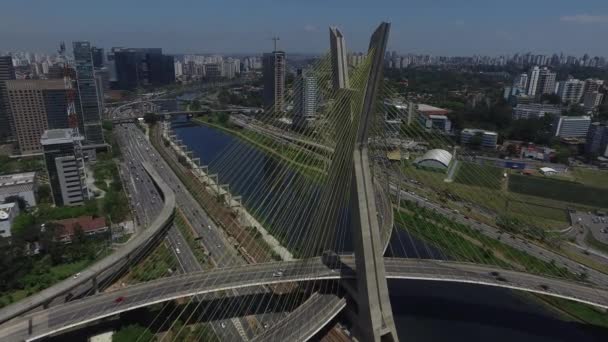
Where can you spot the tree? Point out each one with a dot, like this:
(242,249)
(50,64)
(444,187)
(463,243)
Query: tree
(223,118)
(21,203)
(195,105)
(150,118)
(133,332)
(107,125)
(551,99)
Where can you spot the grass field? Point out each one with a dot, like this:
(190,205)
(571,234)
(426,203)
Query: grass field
(479,175)
(544,213)
(597,178)
(560,190)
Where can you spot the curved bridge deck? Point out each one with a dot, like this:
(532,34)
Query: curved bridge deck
(72,314)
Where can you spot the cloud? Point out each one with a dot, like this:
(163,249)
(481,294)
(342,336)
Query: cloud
(585,18)
(310,28)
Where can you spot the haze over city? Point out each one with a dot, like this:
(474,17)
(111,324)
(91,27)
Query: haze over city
(432,27)
(332,171)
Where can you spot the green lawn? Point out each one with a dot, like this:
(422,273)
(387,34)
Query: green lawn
(558,189)
(596,178)
(479,175)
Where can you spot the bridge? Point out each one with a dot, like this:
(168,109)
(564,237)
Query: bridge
(72,314)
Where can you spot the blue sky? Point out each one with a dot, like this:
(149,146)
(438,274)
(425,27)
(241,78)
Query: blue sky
(452,27)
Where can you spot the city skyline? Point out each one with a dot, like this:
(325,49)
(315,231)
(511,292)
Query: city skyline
(438,28)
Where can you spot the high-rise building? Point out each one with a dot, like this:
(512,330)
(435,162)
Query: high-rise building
(142,67)
(7,72)
(65,166)
(571,126)
(274,68)
(592,100)
(546,82)
(571,90)
(305,98)
(35,106)
(87,101)
(521,81)
(592,85)
(533,81)
(597,140)
(98,57)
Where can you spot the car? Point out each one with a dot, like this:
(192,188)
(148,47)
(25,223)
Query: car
(544,287)
(119,299)
(501,278)
(495,274)
(177,250)
(76,275)
(223,325)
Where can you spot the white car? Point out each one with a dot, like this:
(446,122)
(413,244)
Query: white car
(177,250)
(76,275)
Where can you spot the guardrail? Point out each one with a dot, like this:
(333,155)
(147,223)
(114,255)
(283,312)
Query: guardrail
(124,254)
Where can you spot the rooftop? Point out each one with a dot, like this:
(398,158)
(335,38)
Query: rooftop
(59,136)
(86,223)
(17,179)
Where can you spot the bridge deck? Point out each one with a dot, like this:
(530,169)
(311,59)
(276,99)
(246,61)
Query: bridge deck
(92,308)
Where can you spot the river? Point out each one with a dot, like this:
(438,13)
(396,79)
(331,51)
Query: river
(424,311)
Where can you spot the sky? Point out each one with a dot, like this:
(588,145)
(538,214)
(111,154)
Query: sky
(438,27)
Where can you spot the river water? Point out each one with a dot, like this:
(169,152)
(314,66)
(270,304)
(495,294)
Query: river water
(424,311)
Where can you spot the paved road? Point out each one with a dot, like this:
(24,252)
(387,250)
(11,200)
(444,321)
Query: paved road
(78,312)
(213,238)
(510,240)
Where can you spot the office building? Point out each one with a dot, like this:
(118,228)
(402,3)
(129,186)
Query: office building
(19,184)
(35,106)
(142,67)
(87,101)
(305,98)
(571,90)
(571,126)
(8,212)
(487,139)
(597,140)
(65,166)
(7,72)
(273,69)
(535,110)
(98,57)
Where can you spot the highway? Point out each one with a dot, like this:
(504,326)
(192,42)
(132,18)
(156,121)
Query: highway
(79,312)
(138,150)
(508,239)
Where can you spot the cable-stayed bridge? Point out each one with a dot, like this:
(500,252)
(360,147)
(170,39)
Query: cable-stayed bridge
(333,193)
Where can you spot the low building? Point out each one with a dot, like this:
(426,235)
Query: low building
(19,184)
(488,139)
(571,126)
(547,171)
(535,110)
(435,159)
(90,226)
(8,212)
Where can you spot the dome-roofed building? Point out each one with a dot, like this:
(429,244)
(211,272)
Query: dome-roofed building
(436,159)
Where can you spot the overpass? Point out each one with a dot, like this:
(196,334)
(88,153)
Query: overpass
(119,259)
(76,313)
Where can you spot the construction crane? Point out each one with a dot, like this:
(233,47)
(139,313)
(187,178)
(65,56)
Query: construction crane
(275,39)
(70,91)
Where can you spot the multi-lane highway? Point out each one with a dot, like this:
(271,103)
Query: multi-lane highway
(92,308)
